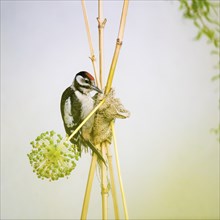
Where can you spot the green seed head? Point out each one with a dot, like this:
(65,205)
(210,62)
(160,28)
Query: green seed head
(52,156)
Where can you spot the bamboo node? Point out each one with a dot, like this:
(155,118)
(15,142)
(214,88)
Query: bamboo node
(92,58)
(104,190)
(119,42)
(101,24)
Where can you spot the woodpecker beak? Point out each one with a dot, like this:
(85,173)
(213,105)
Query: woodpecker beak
(96,89)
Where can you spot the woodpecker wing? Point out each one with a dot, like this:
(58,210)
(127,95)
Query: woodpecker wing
(69,113)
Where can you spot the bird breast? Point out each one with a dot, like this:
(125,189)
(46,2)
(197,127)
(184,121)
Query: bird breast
(87,105)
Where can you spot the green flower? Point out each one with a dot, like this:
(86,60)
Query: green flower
(52,156)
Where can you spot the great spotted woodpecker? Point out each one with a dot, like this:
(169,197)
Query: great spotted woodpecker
(76,104)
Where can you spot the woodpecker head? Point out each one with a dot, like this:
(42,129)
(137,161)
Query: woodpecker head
(85,83)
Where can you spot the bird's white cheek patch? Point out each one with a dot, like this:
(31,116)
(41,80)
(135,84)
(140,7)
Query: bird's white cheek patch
(81,81)
(68,118)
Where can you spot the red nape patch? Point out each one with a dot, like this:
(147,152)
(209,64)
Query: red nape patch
(90,76)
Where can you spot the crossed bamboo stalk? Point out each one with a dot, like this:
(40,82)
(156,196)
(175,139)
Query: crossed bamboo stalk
(104,147)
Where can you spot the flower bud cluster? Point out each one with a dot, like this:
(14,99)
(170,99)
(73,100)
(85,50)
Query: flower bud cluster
(52,156)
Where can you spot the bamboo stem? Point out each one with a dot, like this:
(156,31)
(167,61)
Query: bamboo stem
(100,17)
(119,172)
(113,66)
(117,47)
(92,54)
(101,25)
(88,187)
(104,187)
(123,20)
(112,179)
(86,119)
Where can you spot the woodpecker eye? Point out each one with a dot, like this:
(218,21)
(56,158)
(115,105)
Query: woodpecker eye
(86,81)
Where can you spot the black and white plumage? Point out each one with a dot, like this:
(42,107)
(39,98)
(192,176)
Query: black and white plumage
(76,104)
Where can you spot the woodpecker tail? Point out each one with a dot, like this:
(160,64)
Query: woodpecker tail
(93,148)
(79,141)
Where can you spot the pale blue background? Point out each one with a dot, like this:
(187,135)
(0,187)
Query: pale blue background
(169,159)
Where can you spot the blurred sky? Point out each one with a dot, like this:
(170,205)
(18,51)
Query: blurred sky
(169,160)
